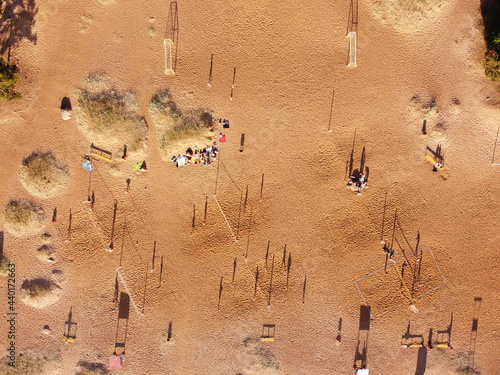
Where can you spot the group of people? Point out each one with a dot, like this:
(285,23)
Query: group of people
(205,156)
(359,181)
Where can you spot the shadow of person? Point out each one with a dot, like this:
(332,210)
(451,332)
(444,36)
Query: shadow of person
(66,103)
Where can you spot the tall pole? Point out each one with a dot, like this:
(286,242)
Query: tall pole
(331,111)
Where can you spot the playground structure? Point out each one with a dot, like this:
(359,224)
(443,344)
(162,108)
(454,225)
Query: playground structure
(170,42)
(352,49)
(401,287)
(352,28)
(436,157)
(409,340)
(167,44)
(70,327)
(268,332)
(99,153)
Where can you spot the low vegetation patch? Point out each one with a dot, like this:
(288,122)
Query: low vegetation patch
(43,175)
(87,368)
(23,217)
(405,15)
(39,292)
(176,129)
(31,362)
(9,78)
(490,9)
(109,117)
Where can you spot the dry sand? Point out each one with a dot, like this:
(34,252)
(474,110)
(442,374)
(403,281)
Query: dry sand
(289,56)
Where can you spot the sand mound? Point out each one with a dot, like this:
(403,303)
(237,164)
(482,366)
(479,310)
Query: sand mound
(405,15)
(45,252)
(177,130)
(260,360)
(109,117)
(23,218)
(43,175)
(39,293)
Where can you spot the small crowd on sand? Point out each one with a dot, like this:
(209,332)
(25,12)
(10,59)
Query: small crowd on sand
(359,182)
(205,156)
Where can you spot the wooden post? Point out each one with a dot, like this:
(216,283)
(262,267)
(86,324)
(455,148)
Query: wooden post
(289,265)
(161,270)
(246,200)
(270,287)
(111,245)
(234,271)
(194,218)
(92,200)
(220,293)
(304,290)
(331,111)
(232,86)
(249,231)
(283,261)
(267,253)
(242,142)
(69,226)
(210,73)
(256,282)
(153,259)
(205,214)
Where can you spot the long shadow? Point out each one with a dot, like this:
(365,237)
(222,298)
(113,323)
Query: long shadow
(411,340)
(1,245)
(172,31)
(352,20)
(421,361)
(473,333)
(360,357)
(66,103)
(16,24)
(70,326)
(169,331)
(443,338)
(122,323)
(363,161)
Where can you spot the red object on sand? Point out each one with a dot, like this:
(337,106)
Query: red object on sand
(115,363)
(222,138)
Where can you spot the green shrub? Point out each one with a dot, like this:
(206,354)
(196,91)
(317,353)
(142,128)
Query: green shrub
(9,77)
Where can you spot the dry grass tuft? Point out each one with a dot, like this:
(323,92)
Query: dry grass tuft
(3,266)
(176,129)
(405,15)
(109,117)
(87,368)
(43,175)
(31,362)
(23,218)
(39,293)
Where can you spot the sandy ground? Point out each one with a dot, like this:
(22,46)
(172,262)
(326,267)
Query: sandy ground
(289,57)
